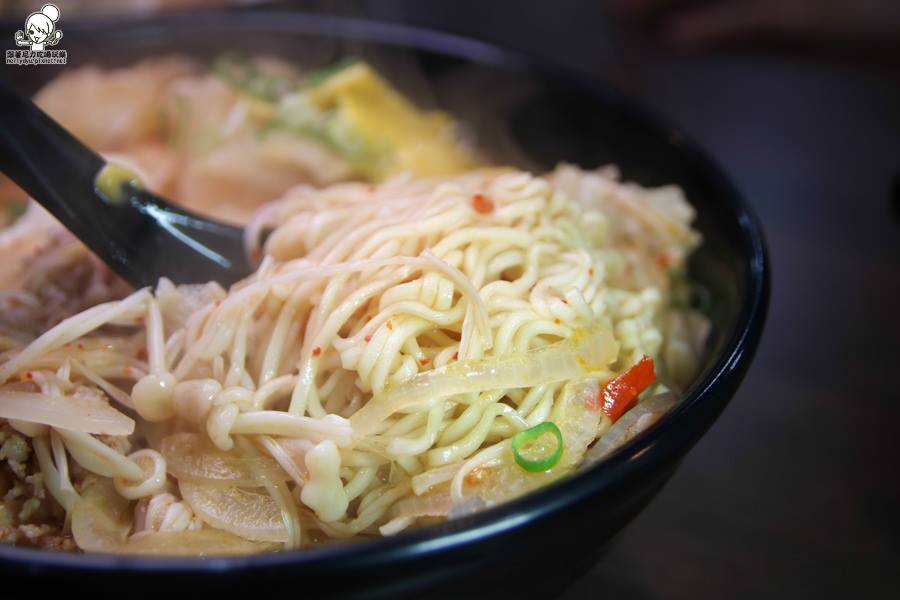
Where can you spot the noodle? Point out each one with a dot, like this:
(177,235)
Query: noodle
(394,340)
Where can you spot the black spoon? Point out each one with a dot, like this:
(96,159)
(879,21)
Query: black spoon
(140,235)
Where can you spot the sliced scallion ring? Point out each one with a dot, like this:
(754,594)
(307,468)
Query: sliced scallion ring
(531,435)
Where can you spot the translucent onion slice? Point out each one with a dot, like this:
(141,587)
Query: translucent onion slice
(102,521)
(587,351)
(193,457)
(499,478)
(83,413)
(249,513)
(435,504)
(467,507)
(631,424)
(406,511)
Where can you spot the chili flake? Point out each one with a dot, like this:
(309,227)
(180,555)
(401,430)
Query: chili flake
(482,204)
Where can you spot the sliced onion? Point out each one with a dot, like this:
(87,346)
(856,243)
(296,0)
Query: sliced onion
(249,513)
(193,457)
(405,512)
(573,358)
(635,421)
(467,507)
(435,504)
(102,521)
(197,542)
(83,412)
(503,478)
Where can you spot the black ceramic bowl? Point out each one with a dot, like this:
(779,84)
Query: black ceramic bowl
(533,114)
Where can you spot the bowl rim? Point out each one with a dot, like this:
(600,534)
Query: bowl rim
(677,433)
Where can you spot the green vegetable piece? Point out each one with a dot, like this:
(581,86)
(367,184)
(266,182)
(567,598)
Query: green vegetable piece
(317,76)
(686,293)
(522,440)
(242,74)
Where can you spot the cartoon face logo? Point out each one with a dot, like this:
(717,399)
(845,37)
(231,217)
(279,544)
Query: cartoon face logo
(40,29)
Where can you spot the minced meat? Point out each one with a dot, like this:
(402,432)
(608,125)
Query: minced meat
(29,515)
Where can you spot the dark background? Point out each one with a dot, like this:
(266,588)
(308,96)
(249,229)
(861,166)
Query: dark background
(795,491)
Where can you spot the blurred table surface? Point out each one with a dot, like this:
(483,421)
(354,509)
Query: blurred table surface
(794,493)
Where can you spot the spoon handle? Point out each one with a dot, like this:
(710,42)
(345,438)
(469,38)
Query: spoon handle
(44,159)
(140,235)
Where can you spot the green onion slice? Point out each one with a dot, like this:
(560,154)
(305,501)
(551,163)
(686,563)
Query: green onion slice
(529,437)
